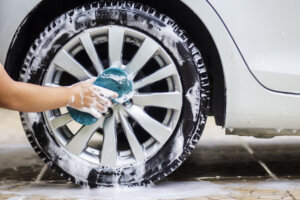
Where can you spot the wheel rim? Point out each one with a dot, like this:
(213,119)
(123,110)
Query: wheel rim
(135,131)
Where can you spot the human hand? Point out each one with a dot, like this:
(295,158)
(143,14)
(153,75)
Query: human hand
(87,97)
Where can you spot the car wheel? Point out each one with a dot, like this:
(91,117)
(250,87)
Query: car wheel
(142,140)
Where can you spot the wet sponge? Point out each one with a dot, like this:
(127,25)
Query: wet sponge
(114,79)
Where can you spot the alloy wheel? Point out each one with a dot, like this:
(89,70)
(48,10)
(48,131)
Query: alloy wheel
(134,131)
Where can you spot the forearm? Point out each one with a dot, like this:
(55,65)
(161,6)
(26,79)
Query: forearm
(33,98)
(27,97)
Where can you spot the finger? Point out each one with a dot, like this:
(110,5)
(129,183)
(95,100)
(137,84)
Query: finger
(96,97)
(107,93)
(95,113)
(104,101)
(87,101)
(91,80)
(94,101)
(95,104)
(101,108)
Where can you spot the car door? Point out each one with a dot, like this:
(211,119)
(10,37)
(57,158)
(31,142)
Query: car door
(267,34)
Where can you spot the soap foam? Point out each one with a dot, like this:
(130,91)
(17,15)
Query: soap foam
(193,96)
(164,190)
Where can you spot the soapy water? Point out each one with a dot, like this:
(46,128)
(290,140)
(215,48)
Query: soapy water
(16,198)
(119,79)
(164,190)
(193,95)
(124,98)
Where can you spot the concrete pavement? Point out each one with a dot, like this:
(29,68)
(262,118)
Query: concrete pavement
(221,167)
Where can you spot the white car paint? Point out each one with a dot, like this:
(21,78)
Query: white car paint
(12,13)
(268,35)
(248,103)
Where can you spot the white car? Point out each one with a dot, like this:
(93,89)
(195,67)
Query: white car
(237,61)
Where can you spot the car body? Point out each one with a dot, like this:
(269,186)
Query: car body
(251,49)
(258,51)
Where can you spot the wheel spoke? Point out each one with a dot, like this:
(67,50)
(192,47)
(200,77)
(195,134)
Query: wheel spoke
(61,120)
(82,137)
(89,47)
(157,130)
(52,85)
(109,148)
(127,116)
(171,100)
(135,146)
(156,76)
(66,62)
(115,42)
(146,51)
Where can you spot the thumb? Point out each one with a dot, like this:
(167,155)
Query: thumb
(91,80)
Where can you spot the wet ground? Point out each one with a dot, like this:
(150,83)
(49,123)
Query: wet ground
(221,167)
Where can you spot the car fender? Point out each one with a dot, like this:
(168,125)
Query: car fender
(248,103)
(12,14)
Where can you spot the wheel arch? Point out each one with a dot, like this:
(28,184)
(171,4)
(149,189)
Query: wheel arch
(47,10)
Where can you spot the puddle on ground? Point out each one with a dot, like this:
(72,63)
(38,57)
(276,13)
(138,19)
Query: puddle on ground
(227,167)
(163,190)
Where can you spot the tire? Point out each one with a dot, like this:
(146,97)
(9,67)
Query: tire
(172,41)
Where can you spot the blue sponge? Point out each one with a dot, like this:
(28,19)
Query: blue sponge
(114,79)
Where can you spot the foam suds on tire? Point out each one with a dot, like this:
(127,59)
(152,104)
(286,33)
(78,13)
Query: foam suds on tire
(74,167)
(193,96)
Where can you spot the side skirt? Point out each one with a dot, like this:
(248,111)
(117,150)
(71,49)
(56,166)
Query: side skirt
(262,133)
